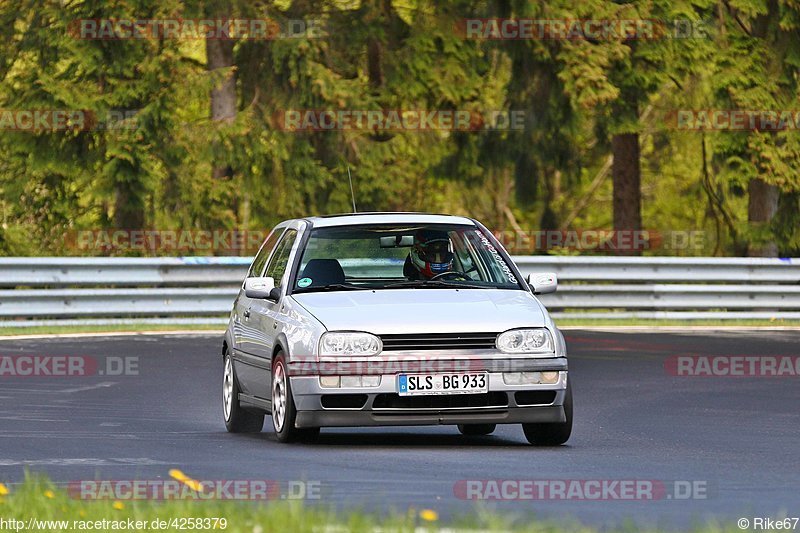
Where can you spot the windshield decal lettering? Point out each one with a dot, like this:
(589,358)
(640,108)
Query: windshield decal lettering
(500,261)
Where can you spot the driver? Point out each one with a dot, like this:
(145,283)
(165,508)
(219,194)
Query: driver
(431,255)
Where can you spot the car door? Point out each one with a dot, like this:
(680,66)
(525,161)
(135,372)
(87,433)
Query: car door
(265,316)
(245,336)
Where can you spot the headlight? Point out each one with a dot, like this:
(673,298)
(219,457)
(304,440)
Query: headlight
(349,343)
(536,340)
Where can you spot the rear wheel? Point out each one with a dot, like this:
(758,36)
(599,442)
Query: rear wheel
(477,429)
(284,412)
(552,434)
(237,419)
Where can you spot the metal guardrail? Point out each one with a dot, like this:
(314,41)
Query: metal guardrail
(688,288)
(175,289)
(665,269)
(123,271)
(201,301)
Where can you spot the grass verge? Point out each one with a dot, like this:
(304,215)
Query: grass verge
(38,504)
(625,322)
(114,328)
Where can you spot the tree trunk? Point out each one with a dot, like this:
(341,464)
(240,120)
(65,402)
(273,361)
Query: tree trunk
(374,63)
(763,197)
(761,209)
(128,208)
(526,174)
(219,54)
(626,176)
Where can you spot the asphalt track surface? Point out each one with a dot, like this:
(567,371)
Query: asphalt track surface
(735,438)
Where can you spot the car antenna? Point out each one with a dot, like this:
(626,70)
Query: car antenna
(352,194)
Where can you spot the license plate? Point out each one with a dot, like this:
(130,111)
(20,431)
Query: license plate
(458,383)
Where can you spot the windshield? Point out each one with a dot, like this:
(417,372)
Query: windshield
(391,256)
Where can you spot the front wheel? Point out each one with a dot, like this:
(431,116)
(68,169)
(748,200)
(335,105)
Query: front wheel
(552,434)
(284,412)
(237,419)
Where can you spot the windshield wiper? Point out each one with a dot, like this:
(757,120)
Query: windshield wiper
(427,283)
(332,287)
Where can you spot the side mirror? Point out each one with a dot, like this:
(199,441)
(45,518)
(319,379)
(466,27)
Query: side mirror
(543,282)
(261,288)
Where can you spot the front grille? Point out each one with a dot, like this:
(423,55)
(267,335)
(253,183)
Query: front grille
(438,341)
(445,401)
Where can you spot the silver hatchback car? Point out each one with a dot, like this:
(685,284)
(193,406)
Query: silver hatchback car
(387,319)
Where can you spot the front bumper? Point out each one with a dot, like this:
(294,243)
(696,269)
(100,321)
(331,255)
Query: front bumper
(357,418)
(380,406)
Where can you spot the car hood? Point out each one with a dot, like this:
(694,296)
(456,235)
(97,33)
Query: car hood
(424,310)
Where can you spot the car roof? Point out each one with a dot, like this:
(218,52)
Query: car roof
(350,219)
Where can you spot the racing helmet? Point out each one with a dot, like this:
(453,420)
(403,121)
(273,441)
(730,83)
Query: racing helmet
(432,252)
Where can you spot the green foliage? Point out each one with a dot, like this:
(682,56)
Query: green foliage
(152,166)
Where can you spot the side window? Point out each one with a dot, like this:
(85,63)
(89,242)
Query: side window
(263,254)
(280,259)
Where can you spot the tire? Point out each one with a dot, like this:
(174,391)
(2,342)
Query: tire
(552,434)
(237,419)
(284,412)
(477,429)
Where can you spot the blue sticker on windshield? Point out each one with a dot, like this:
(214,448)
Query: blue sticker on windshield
(304,282)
